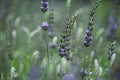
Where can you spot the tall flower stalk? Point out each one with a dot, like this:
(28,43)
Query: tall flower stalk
(51,20)
(68,5)
(9,42)
(51,32)
(88,34)
(45,26)
(111,58)
(64,47)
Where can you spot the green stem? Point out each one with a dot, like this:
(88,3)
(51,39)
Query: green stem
(47,54)
(44,17)
(84,65)
(47,50)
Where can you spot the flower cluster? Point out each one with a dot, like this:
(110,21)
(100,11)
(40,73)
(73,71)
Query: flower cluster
(88,35)
(44,5)
(51,20)
(64,50)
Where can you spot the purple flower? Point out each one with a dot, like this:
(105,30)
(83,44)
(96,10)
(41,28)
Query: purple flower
(34,72)
(51,32)
(69,77)
(112,28)
(52,45)
(44,6)
(62,50)
(88,36)
(64,47)
(62,53)
(117,76)
(45,25)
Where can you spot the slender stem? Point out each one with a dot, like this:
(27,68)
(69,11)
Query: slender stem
(47,54)
(89,62)
(47,49)
(84,65)
(44,17)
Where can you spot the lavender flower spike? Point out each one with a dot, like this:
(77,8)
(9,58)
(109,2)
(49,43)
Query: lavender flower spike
(88,36)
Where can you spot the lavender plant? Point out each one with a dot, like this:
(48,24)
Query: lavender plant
(51,32)
(44,8)
(64,50)
(112,60)
(45,25)
(88,34)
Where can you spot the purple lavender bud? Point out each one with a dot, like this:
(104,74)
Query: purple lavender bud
(45,25)
(62,50)
(86,44)
(43,9)
(52,45)
(62,53)
(44,6)
(51,33)
(88,31)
